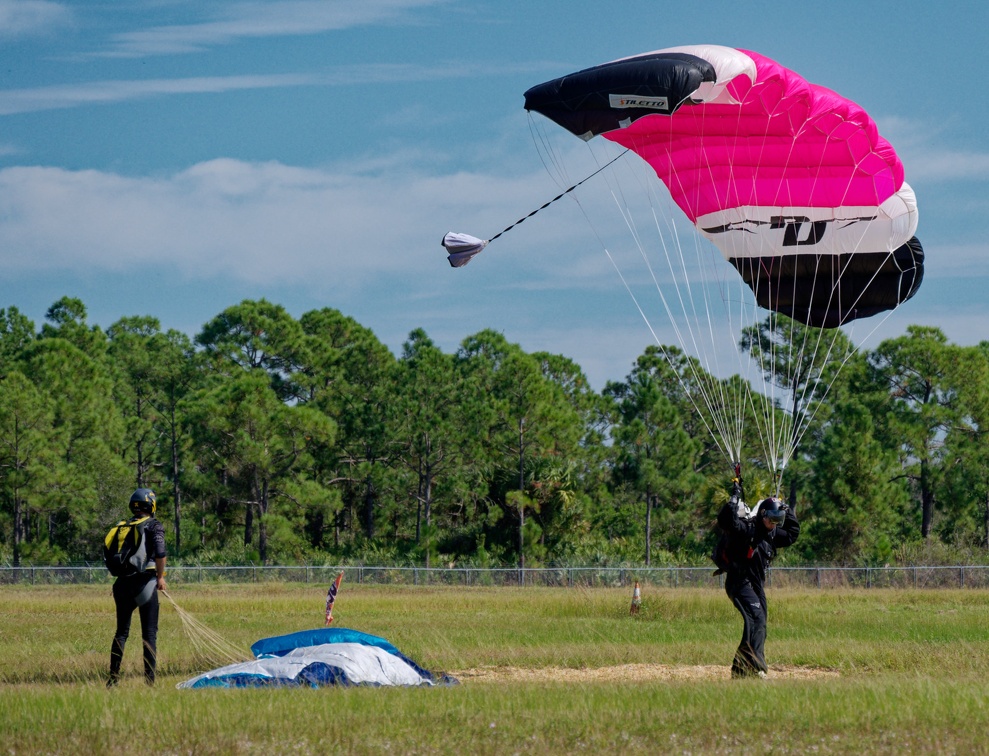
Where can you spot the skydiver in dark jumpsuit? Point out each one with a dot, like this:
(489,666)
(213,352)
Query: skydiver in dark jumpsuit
(140,591)
(752,544)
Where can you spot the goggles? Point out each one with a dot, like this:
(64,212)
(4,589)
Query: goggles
(775,516)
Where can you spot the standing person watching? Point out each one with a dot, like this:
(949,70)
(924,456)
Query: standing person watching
(139,590)
(752,544)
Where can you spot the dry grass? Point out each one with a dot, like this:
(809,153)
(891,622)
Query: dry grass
(628,673)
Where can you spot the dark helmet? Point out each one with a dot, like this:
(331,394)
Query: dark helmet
(773,510)
(143,500)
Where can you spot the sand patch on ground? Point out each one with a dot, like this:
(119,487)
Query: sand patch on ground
(630,673)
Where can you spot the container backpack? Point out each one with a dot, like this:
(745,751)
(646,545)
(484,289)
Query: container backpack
(723,557)
(720,555)
(124,549)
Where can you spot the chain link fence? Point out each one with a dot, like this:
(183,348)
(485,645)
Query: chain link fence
(966,576)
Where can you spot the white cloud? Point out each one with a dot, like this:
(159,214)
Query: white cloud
(254,222)
(949,165)
(920,145)
(26,18)
(261,19)
(958,261)
(101,92)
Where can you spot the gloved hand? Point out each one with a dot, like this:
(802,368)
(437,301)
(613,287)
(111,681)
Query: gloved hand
(736,486)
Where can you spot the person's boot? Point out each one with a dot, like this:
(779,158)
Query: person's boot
(116,659)
(150,663)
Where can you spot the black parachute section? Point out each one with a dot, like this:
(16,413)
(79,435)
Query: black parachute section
(826,291)
(609,96)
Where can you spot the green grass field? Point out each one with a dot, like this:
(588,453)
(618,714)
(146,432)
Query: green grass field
(541,670)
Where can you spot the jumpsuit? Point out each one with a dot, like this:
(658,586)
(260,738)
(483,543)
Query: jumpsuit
(752,548)
(126,590)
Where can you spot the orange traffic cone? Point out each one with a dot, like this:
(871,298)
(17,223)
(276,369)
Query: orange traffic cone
(636,599)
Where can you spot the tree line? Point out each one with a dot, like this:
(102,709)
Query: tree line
(277,440)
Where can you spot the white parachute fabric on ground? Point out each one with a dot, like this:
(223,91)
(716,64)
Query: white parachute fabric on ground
(314,658)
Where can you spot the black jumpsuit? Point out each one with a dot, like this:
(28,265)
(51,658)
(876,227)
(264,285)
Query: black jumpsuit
(752,548)
(126,589)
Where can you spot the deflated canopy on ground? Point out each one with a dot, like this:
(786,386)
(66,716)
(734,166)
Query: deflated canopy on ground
(314,658)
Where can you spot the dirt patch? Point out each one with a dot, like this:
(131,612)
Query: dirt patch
(630,673)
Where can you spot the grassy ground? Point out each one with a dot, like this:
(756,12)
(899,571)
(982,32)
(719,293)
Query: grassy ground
(542,671)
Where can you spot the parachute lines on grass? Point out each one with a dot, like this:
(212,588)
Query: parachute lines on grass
(209,647)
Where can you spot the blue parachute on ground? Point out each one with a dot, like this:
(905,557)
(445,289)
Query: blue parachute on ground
(314,658)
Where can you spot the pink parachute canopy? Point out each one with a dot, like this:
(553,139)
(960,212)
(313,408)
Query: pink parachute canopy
(784,142)
(790,180)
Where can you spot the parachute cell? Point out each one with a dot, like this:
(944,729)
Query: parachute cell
(791,181)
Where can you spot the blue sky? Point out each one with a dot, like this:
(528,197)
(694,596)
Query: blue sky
(173,158)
